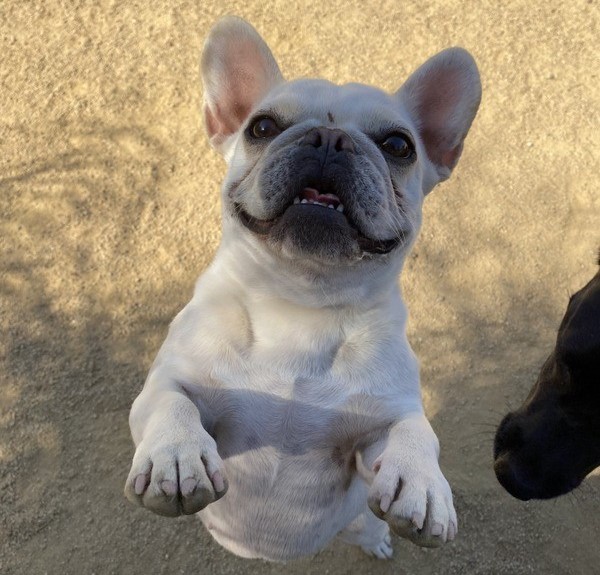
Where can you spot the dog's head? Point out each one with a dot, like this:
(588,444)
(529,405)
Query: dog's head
(548,446)
(326,174)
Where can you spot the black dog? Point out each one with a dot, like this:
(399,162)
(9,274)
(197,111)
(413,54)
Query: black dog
(548,446)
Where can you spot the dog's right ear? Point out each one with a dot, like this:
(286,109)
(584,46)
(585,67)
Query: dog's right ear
(238,70)
(442,97)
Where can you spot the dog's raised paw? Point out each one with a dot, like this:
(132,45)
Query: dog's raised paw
(175,479)
(416,503)
(381,550)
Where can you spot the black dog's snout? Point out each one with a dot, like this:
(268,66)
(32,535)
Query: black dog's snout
(509,476)
(507,442)
(329,139)
(509,435)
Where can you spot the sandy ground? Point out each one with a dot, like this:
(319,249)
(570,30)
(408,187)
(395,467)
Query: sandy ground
(109,210)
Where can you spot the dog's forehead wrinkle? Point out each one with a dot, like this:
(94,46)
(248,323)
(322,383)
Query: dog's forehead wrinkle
(364,106)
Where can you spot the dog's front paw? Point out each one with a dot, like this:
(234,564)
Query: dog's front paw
(382,549)
(415,501)
(176,478)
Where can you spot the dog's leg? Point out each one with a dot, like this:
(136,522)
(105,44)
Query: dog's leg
(371,534)
(409,490)
(176,468)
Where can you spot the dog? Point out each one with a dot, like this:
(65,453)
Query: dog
(284,405)
(547,447)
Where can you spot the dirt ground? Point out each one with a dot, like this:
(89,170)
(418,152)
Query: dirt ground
(109,209)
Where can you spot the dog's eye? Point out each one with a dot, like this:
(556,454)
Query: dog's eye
(398,145)
(264,127)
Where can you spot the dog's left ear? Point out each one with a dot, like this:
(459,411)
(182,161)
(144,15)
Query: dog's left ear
(238,70)
(442,97)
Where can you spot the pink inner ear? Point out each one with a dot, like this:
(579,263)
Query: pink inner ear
(244,80)
(224,124)
(238,70)
(440,96)
(246,86)
(213,127)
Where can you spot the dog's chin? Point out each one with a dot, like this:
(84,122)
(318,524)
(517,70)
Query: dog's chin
(316,232)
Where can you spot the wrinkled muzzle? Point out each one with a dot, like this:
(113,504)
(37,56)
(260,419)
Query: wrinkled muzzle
(320,196)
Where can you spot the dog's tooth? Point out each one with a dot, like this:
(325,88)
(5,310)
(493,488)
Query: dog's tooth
(304,201)
(330,206)
(340,208)
(296,200)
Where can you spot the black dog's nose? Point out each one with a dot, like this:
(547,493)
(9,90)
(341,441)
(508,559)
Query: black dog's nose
(509,435)
(509,477)
(508,440)
(329,139)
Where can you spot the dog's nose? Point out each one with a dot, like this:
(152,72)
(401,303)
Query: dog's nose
(509,435)
(512,478)
(329,139)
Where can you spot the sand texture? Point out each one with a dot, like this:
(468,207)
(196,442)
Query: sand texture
(109,209)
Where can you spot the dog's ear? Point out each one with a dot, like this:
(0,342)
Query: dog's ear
(238,70)
(442,97)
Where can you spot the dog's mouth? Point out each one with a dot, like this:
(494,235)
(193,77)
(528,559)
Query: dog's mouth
(305,204)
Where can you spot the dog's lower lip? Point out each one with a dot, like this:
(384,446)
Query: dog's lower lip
(377,246)
(260,227)
(368,245)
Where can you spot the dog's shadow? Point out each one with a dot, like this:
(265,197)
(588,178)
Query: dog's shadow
(243,420)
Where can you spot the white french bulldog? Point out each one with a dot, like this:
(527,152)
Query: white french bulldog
(285,405)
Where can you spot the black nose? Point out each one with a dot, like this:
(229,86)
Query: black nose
(511,479)
(509,438)
(329,139)
(509,435)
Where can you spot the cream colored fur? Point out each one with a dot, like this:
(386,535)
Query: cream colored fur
(285,404)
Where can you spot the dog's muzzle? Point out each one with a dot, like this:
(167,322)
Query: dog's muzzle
(319,215)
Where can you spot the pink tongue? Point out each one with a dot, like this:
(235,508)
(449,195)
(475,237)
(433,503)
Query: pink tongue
(312,194)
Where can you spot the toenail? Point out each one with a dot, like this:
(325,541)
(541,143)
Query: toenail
(385,503)
(188,486)
(140,483)
(418,520)
(217,481)
(169,487)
